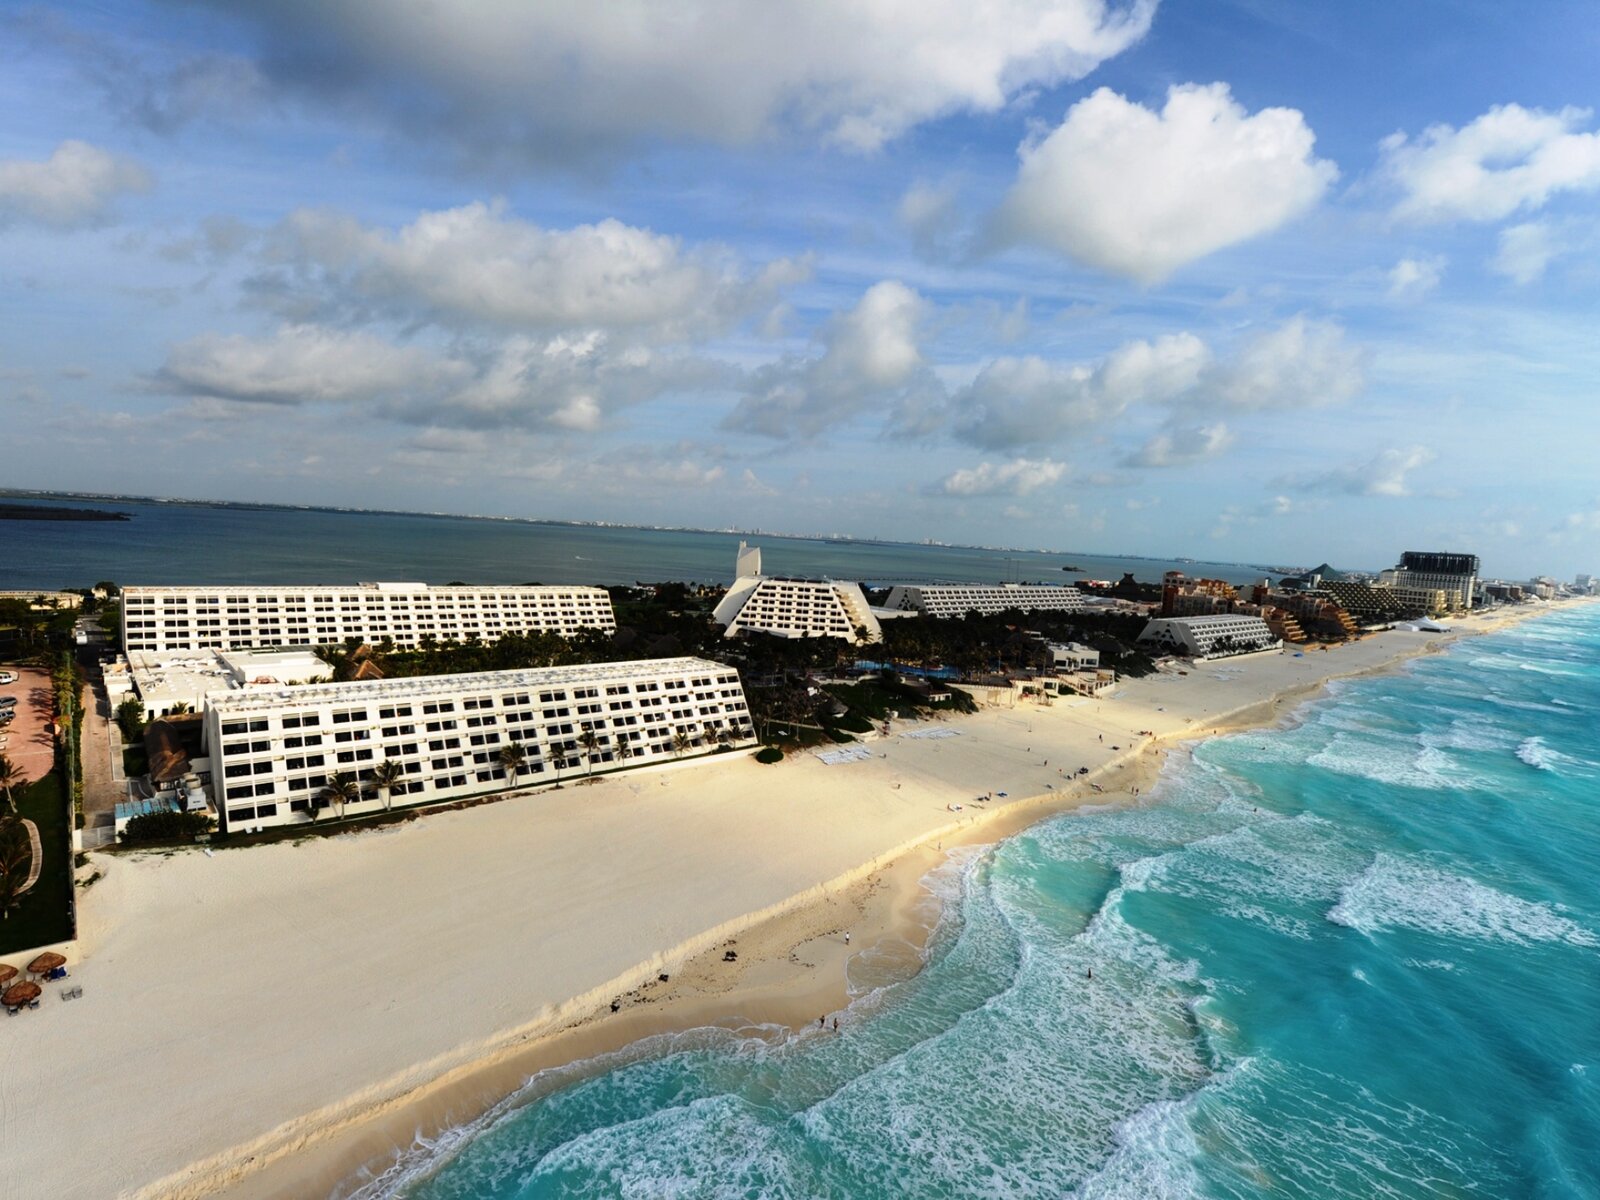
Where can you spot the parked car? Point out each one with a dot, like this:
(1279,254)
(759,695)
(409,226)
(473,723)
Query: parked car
(8,701)
(8,676)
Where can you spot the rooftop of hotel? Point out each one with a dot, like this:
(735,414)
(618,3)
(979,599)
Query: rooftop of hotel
(386,586)
(167,677)
(408,687)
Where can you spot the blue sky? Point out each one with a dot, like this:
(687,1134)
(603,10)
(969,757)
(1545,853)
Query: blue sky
(1231,280)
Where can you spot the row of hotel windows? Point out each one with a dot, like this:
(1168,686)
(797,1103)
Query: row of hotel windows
(485,764)
(678,691)
(488,723)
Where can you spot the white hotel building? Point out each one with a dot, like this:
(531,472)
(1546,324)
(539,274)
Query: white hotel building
(1218,635)
(258,618)
(958,599)
(793,608)
(271,751)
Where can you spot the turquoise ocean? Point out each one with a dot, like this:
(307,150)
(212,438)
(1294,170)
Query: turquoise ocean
(1358,956)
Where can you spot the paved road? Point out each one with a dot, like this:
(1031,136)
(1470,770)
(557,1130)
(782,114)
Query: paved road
(102,755)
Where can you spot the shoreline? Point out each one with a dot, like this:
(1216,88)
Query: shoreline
(776,986)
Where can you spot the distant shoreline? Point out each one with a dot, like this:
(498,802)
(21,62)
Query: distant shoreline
(31,512)
(821,538)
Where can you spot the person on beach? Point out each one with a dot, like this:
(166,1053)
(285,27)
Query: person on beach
(836,1024)
(846,937)
(822,1022)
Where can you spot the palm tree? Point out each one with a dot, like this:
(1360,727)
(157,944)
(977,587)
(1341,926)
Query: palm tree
(512,757)
(624,751)
(341,789)
(680,742)
(590,744)
(384,776)
(10,776)
(181,708)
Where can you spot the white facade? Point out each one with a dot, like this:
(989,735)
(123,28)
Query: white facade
(1214,636)
(222,618)
(958,599)
(1073,656)
(271,751)
(1458,589)
(793,608)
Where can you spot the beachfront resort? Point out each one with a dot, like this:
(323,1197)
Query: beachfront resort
(407,614)
(972,697)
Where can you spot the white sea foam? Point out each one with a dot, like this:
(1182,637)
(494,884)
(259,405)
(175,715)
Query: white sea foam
(1536,752)
(1396,892)
(1154,1159)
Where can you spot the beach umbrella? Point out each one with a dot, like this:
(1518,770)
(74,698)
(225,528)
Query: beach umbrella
(19,994)
(46,962)
(7,974)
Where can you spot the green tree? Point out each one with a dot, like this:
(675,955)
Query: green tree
(680,742)
(384,776)
(590,743)
(130,719)
(512,759)
(341,789)
(10,777)
(16,862)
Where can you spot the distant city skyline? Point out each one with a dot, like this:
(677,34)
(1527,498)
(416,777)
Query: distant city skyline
(1227,281)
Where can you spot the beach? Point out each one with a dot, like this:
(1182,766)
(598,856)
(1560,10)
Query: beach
(265,1021)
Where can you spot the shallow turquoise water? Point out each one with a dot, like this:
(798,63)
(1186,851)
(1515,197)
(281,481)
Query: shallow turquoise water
(1357,957)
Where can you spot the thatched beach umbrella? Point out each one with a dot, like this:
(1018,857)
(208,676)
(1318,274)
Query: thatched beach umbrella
(46,962)
(7,974)
(19,994)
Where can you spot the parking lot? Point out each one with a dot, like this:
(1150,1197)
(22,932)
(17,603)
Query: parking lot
(29,740)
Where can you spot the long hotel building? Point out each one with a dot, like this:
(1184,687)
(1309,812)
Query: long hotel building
(260,618)
(958,599)
(271,751)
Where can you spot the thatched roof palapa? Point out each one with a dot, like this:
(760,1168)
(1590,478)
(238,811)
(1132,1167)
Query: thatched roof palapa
(168,742)
(48,961)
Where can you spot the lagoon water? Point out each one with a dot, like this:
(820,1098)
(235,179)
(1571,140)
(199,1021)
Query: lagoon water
(207,544)
(1356,957)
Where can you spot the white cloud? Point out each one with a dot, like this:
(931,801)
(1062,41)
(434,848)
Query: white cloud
(302,364)
(76,185)
(870,356)
(560,385)
(1414,278)
(1525,251)
(1140,193)
(1182,445)
(1031,401)
(1015,478)
(477,263)
(564,78)
(1302,363)
(928,211)
(1509,159)
(1385,474)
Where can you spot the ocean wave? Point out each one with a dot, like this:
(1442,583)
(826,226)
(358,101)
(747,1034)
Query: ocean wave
(1536,753)
(1398,764)
(1397,892)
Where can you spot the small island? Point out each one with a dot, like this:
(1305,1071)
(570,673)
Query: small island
(39,512)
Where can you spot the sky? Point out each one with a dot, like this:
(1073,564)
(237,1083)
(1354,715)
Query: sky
(1229,279)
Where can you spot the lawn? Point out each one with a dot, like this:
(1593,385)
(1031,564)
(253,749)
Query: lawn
(45,914)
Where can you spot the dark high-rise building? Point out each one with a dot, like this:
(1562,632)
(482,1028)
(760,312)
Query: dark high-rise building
(1433,563)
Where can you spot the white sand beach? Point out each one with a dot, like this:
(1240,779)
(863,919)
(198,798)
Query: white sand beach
(258,1022)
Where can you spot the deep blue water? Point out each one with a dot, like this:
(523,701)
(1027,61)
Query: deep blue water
(195,544)
(1356,957)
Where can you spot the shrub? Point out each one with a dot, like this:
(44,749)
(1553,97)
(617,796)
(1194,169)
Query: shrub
(166,826)
(769,754)
(130,716)
(840,735)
